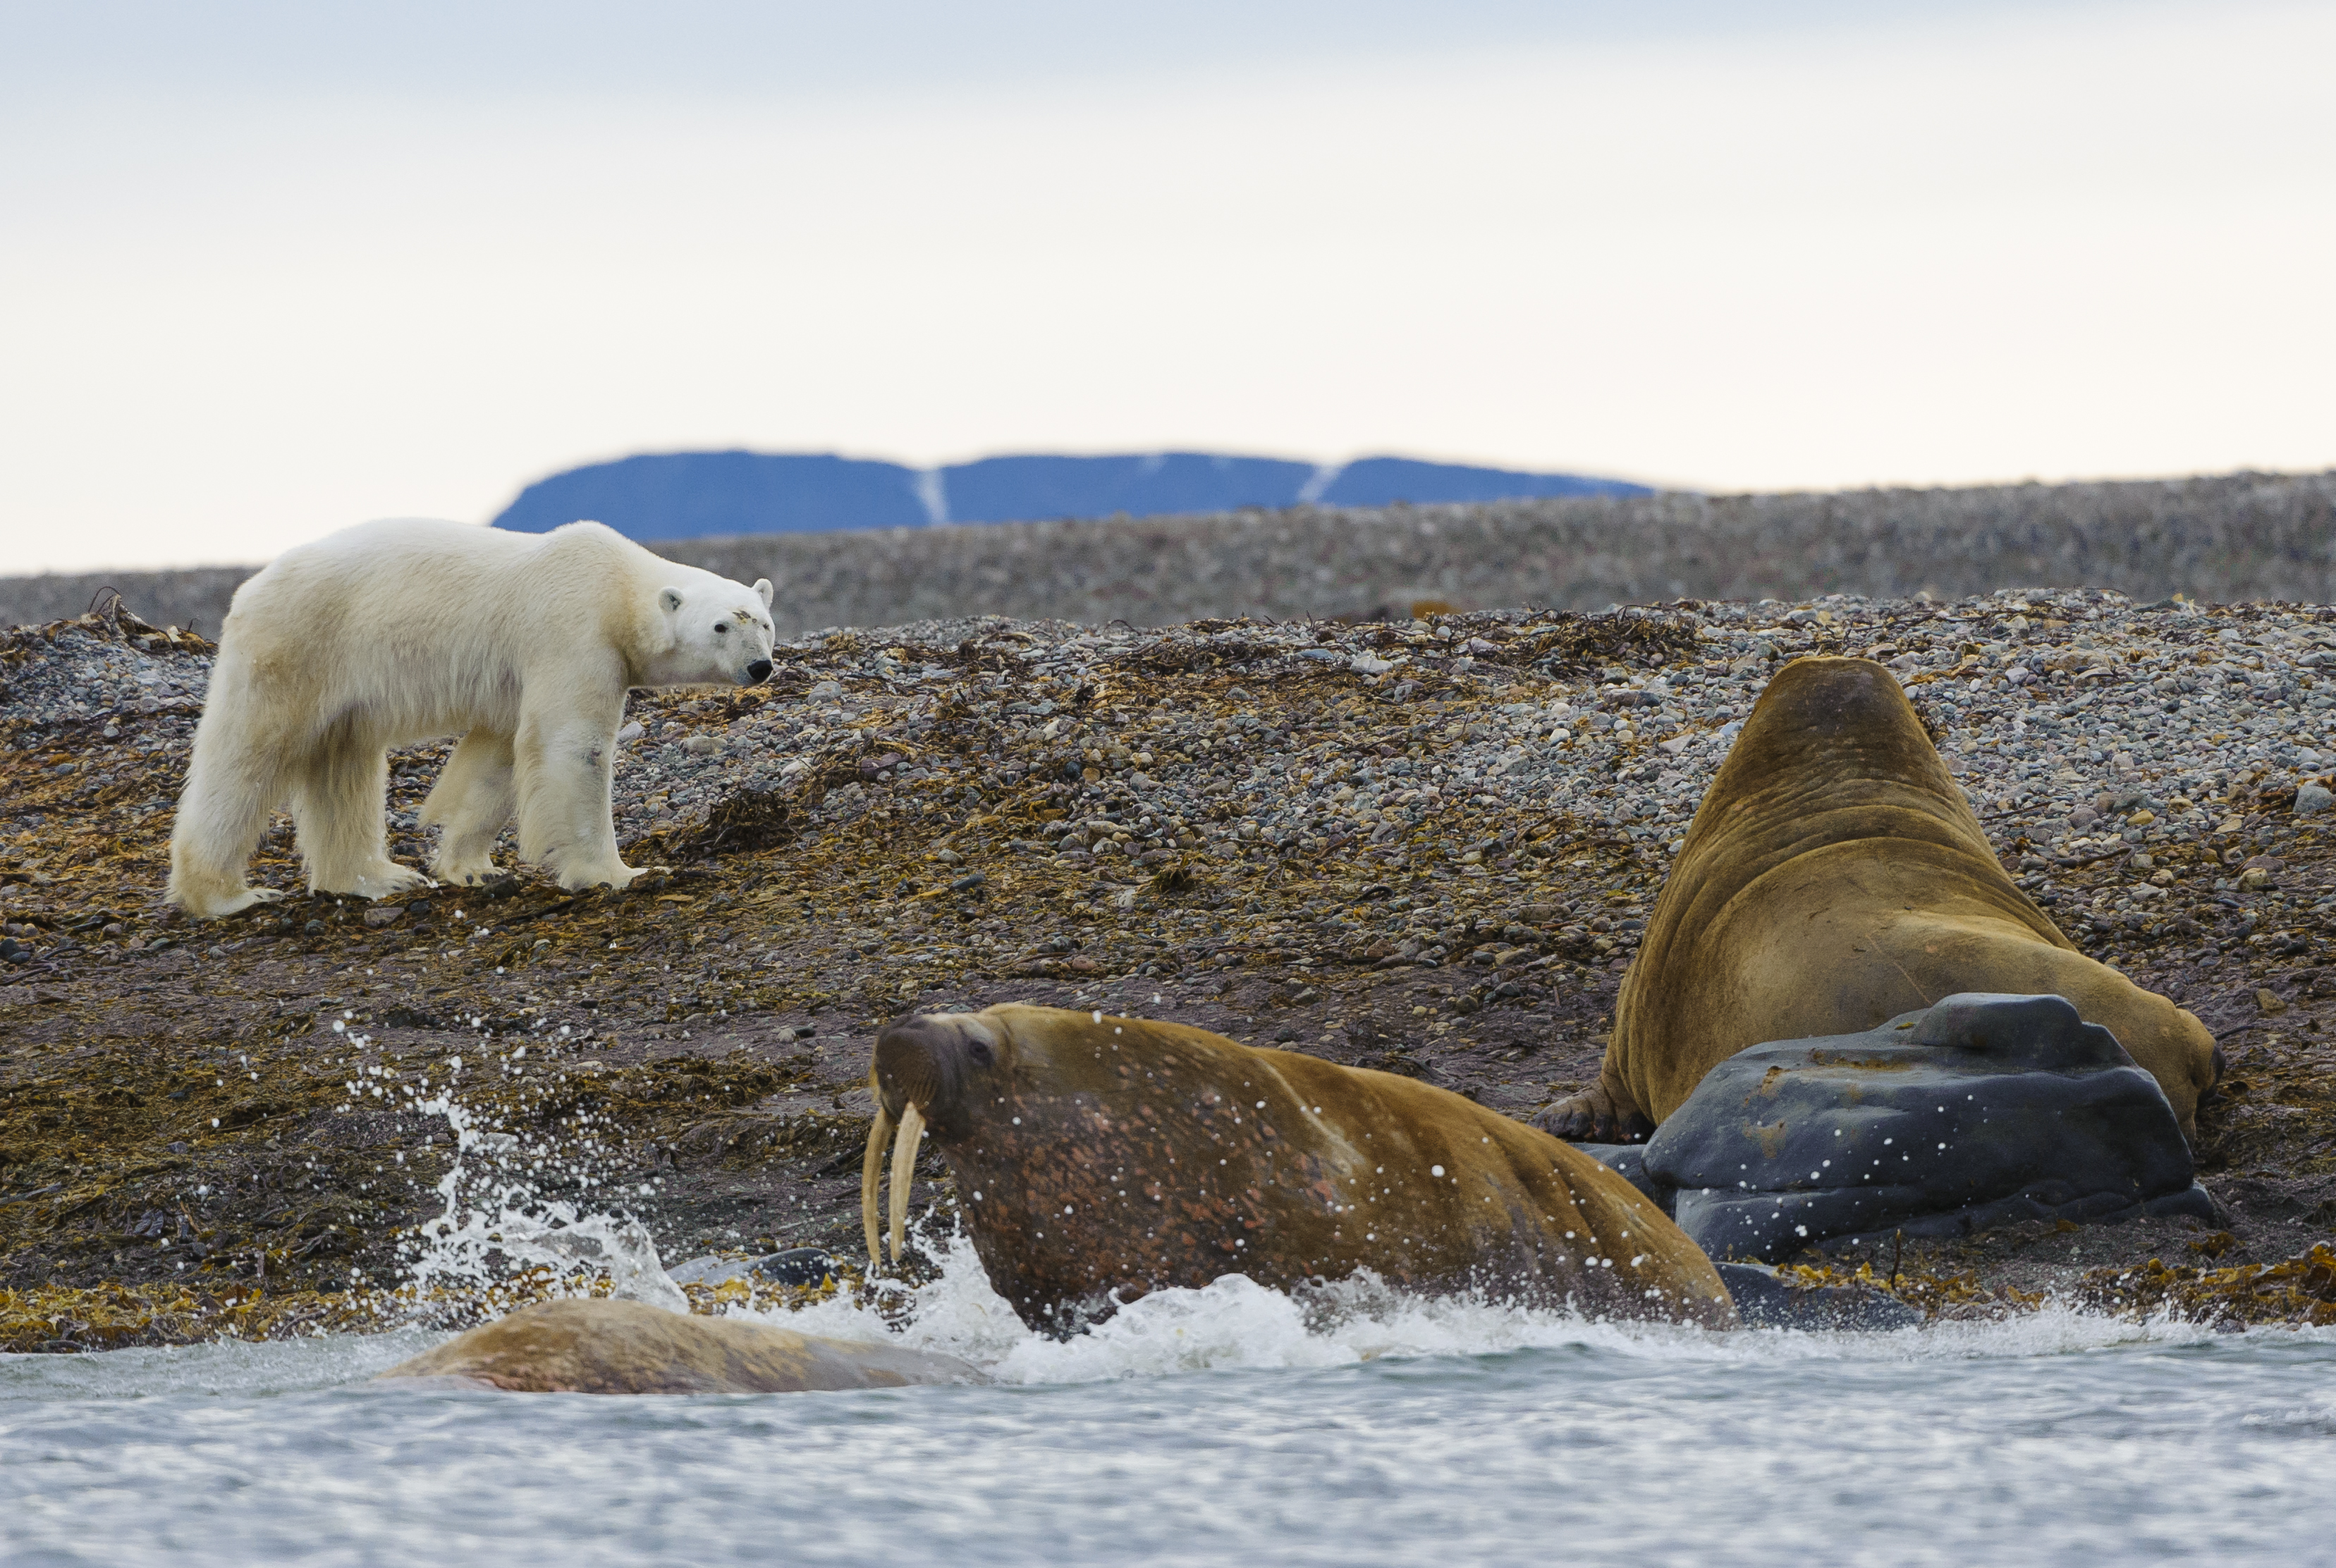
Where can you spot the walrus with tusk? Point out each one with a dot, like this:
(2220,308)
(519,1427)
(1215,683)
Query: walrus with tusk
(1834,877)
(1100,1158)
(604,1346)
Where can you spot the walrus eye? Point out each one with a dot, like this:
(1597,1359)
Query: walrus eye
(980,1051)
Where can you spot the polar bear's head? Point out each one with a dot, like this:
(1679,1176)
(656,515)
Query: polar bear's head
(717,631)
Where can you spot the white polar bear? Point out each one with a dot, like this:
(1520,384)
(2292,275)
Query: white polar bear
(395,632)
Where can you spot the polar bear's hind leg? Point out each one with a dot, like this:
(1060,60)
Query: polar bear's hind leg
(337,801)
(469,803)
(230,792)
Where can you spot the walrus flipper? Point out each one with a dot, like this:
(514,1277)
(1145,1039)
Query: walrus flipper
(1600,1114)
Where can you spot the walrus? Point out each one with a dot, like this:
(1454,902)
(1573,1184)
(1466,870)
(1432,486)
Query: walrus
(1097,1159)
(603,1347)
(1834,878)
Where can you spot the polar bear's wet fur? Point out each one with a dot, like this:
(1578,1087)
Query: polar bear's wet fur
(392,633)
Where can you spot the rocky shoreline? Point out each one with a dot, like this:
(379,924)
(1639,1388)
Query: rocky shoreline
(1423,846)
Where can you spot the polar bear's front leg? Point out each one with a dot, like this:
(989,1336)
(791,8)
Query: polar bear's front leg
(564,758)
(469,803)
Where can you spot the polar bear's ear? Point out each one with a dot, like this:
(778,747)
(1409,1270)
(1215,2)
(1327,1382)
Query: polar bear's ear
(763,587)
(668,599)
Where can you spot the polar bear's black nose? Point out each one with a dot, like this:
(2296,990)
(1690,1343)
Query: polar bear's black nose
(759,671)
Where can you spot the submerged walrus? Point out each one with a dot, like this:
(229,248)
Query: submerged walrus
(599,1347)
(1834,877)
(1099,1158)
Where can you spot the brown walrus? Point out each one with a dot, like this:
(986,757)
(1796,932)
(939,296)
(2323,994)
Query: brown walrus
(1834,877)
(599,1347)
(1099,1158)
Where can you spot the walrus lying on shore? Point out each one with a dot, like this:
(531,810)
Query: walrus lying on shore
(1099,1158)
(601,1346)
(1834,878)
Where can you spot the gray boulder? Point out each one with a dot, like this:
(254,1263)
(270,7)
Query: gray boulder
(1629,1161)
(1978,1111)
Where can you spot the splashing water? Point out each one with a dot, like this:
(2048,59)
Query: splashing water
(495,1224)
(1348,1423)
(1234,1323)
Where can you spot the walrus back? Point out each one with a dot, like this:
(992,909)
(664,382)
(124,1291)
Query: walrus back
(1561,1204)
(599,1347)
(1101,1158)
(1835,876)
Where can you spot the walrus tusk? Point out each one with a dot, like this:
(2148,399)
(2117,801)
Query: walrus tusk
(870,1171)
(904,1169)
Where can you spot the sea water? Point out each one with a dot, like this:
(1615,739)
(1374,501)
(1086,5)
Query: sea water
(1226,1425)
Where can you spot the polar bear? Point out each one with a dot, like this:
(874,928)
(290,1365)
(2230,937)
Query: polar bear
(400,631)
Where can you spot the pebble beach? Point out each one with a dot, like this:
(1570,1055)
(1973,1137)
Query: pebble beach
(1425,845)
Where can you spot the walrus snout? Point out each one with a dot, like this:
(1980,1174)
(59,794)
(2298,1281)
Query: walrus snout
(926,1061)
(922,1067)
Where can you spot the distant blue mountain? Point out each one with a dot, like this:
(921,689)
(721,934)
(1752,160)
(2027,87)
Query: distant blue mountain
(1018,489)
(1383,481)
(687,494)
(691,494)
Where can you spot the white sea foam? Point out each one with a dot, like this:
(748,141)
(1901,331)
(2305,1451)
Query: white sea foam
(1233,1322)
(494,1222)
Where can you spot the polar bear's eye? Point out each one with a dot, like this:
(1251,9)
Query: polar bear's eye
(721,627)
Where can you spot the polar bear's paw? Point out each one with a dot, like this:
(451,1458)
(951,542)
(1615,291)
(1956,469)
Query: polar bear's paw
(385,879)
(466,874)
(237,903)
(614,874)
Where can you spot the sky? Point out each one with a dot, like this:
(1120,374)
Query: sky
(270,269)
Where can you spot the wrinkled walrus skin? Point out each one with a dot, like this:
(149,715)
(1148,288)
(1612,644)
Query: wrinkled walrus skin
(596,1347)
(1102,1156)
(1834,877)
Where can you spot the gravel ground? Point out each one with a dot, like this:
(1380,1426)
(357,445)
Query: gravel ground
(2226,537)
(1425,846)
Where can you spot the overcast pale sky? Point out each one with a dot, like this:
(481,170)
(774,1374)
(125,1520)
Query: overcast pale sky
(270,269)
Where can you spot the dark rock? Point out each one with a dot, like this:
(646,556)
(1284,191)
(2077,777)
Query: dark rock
(795,1266)
(1765,1302)
(1978,1111)
(2307,1199)
(1629,1161)
(708,1270)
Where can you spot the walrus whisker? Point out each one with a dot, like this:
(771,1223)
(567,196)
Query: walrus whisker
(904,1169)
(872,1166)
